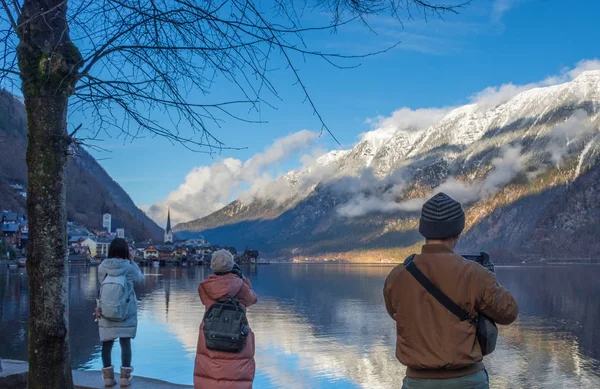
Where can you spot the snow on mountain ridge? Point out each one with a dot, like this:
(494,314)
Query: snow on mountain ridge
(466,133)
(385,149)
(470,122)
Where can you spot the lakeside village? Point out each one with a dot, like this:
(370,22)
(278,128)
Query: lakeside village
(89,246)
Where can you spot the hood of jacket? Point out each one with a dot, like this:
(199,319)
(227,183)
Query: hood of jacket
(217,287)
(115,267)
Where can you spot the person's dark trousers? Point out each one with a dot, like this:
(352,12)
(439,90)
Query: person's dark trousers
(125,352)
(479,380)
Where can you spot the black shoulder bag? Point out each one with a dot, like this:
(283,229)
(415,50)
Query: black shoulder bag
(486,330)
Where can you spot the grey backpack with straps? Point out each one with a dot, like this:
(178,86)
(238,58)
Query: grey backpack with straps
(114,300)
(226,326)
(485,329)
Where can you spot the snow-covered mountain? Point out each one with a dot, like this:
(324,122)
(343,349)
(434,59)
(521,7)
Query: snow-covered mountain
(492,155)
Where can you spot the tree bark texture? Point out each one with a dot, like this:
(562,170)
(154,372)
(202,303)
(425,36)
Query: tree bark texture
(48,62)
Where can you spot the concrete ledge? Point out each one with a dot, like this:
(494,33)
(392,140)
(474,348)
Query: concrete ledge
(93,380)
(14,376)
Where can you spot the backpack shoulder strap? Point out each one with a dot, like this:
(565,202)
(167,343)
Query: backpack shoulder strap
(434,291)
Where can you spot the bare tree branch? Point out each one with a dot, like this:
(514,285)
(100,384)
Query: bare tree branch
(10,71)
(72,134)
(9,14)
(149,67)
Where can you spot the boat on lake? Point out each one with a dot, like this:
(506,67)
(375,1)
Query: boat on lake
(22,262)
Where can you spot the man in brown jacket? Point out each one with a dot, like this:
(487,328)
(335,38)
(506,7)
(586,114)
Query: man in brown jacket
(438,349)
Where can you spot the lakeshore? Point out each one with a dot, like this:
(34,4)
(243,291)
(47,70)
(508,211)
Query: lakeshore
(14,376)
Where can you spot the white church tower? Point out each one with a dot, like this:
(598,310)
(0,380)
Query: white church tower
(107,222)
(168,230)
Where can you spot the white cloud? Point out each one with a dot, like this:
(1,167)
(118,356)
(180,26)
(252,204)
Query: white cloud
(363,205)
(209,188)
(408,119)
(370,194)
(501,7)
(505,169)
(279,150)
(494,96)
(567,74)
(294,183)
(567,133)
(584,66)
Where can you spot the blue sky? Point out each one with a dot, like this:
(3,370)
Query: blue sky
(438,64)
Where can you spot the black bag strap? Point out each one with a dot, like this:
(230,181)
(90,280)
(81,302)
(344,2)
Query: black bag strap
(434,291)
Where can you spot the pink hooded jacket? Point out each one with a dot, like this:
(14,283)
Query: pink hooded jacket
(217,369)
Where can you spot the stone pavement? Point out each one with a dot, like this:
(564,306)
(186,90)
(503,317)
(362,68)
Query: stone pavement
(14,376)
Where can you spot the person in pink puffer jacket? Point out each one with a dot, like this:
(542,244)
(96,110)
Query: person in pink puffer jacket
(219,369)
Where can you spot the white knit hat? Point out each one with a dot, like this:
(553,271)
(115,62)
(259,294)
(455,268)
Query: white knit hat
(222,261)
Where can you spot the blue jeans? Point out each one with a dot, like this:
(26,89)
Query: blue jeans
(479,380)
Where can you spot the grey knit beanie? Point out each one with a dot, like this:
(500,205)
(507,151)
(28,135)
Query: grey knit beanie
(221,261)
(441,217)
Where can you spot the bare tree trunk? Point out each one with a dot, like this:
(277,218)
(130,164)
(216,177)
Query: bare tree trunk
(48,62)
(49,358)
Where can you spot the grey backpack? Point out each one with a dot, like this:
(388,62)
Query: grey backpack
(113,298)
(226,326)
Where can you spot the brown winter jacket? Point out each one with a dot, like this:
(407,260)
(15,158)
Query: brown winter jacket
(218,369)
(430,340)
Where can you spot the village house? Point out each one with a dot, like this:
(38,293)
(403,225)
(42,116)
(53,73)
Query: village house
(102,245)
(91,245)
(150,252)
(179,253)
(13,218)
(197,242)
(77,245)
(9,232)
(75,241)
(16,234)
(165,252)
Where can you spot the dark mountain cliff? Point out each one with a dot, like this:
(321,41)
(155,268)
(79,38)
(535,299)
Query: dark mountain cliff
(90,190)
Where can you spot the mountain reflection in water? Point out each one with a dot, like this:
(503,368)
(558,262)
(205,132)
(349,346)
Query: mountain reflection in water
(325,326)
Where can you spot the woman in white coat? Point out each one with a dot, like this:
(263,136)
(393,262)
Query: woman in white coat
(118,267)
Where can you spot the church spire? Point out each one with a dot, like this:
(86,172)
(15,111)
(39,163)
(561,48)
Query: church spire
(168,230)
(168,220)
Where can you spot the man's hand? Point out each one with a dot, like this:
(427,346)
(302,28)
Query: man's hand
(237,271)
(487,262)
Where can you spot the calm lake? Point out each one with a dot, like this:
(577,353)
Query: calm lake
(325,326)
